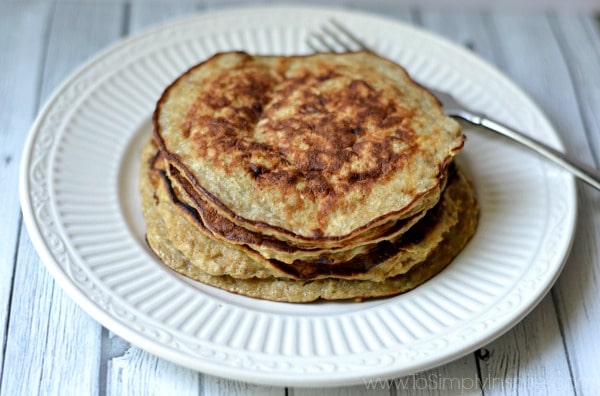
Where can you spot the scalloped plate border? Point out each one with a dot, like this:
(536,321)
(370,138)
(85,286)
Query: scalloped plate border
(385,338)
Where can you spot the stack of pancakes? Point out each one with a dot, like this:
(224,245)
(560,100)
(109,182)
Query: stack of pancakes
(328,176)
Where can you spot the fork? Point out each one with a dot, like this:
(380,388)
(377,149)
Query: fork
(335,37)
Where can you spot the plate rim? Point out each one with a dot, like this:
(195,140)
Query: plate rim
(147,343)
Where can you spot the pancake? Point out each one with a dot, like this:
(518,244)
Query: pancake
(328,176)
(215,258)
(322,151)
(220,258)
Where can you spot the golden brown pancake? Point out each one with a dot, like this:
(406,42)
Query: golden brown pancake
(316,150)
(328,176)
(221,258)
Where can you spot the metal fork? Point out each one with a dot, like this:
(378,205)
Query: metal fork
(335,37)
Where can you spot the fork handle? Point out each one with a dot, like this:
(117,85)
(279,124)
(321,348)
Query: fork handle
(582,171)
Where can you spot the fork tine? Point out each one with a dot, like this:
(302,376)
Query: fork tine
(321,39)
(311,45)
(326,38)
(335,37)
(349,34)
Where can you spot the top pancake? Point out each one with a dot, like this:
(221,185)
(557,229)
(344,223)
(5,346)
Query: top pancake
(319,147)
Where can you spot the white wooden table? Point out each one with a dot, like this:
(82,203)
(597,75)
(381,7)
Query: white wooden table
(50,346)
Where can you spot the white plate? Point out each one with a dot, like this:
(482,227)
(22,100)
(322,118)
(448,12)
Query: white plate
(80,204)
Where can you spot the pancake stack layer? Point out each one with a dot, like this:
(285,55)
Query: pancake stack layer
(328,176)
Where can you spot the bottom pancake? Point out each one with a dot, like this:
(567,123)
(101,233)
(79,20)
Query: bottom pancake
(284,289)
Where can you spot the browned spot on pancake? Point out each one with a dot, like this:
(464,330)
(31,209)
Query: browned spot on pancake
(220,123)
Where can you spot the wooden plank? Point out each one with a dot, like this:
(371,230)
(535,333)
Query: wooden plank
(22,32)
(52,346)
(502,362)
(29,323)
